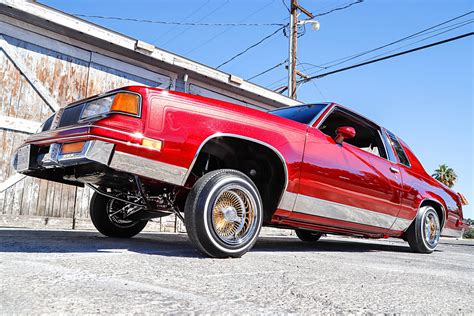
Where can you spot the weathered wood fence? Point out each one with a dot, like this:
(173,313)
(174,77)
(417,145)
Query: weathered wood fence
(35,81)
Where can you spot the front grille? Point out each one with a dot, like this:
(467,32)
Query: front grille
(71,115)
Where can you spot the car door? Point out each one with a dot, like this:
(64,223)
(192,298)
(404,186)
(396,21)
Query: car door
(352,185)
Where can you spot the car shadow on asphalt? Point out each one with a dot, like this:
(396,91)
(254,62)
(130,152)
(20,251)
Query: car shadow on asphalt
(164,244)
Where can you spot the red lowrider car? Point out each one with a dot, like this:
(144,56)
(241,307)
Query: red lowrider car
(226,170)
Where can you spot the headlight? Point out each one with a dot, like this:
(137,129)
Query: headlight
(122,102)
(97,107)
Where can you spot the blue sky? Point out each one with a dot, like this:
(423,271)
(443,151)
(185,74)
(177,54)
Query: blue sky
(426,97)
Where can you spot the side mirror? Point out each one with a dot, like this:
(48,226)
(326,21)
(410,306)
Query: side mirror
(344,132)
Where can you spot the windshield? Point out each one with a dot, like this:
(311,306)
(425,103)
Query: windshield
(301,113)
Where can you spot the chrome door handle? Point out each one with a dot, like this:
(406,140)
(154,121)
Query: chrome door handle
(394,170)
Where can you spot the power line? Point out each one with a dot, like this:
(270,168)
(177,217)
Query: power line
(333,63)
(251,46)
(267,70)
(339,8)
(424,39)
(282,27)
(351,57)
(333,4)
(449,29)
(176,23)
(387,57)
(230,27)
(183,20)
(286,6)
(312,82)
(201,19)
(312,65)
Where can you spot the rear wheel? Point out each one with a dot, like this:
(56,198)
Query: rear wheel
(223,214)
(307,235)
(423,235)
(109,217)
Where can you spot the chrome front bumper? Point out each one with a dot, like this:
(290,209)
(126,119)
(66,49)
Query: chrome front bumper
(95,151)
(27,159)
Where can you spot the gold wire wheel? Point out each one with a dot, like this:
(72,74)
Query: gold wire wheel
(233,215)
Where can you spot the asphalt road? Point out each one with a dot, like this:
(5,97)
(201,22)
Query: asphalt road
(82,272)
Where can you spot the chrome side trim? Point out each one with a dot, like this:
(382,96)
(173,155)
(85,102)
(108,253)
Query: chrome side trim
(323,208)
(313,206)
(216,135)
(449,232)
(148,168)
(401,224)
(287,201)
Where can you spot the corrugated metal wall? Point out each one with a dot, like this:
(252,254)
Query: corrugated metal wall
(37,75)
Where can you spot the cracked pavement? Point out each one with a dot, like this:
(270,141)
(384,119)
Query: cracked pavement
(64,271)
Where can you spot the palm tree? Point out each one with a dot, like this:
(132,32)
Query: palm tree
(446,175)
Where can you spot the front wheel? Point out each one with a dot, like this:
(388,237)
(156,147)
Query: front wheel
(423,235)
(110,217)
(223,214)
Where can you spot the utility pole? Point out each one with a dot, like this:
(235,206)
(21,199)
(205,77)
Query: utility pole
(293,37)
(292,49)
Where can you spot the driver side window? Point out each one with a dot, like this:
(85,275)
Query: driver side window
(367,135)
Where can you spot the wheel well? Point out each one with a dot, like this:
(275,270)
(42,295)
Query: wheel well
(438,207)
(258,161)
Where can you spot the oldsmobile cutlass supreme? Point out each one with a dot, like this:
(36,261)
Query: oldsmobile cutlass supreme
(226,170)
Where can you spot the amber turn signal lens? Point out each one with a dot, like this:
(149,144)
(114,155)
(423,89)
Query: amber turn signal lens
(126,102)
(463,199)
(72,148)
(152,144)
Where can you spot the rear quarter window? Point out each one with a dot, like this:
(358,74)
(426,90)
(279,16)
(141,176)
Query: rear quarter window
(400,152)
